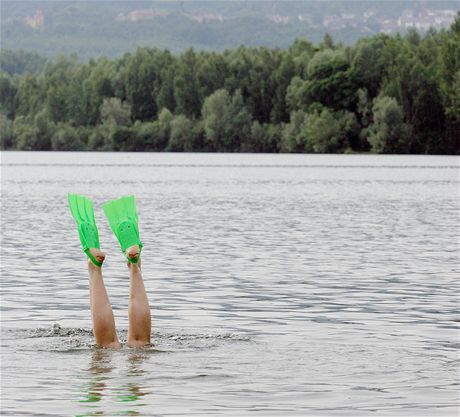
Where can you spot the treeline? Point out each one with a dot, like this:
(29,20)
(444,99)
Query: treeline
(385,95)
(20,62)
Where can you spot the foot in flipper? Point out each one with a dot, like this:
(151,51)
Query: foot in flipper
(83,212)
(122,217)
(97,254)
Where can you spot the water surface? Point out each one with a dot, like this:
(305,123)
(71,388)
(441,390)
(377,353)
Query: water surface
(315,285)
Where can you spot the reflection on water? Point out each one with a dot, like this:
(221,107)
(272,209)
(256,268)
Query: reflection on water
(322,285)
(98,384)
(100,365)
(135,360)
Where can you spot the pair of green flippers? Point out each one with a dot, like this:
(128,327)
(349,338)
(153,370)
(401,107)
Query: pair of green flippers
(122,217)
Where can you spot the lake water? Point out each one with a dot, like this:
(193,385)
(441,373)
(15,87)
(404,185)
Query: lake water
(307,285)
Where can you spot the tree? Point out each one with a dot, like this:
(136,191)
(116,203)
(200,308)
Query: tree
(165,119)
(385,94)
(186,91)
(450,85)
(301,52)
(326,132)
(6,133)
(262,84)
(328,42)
(296,94)
(226,120)
(20,62)
(45,130)
(263,138)
(8,93)
(150,136)
(388,133)
(330,81)
(25,134)
(164,87)
(114,112)
(364,118)
(212,71)
(27,96)
(255,142)
(182,135)
(321,130)
(282,75)
(274,135)
(291,138)
(369,63)
(414,84)
(66,138)
(96,139)
(123,139)
(96,83)
(140,77)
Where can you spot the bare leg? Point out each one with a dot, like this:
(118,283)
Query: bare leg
(101,310)
(138,310)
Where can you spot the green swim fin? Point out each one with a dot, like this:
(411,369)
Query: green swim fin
(83,212)
(122,217)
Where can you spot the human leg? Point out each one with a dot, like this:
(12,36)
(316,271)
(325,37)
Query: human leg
(101,310)
(139,329)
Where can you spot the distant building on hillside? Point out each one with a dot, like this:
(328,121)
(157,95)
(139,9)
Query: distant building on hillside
(333,22)
(369,13)
(145,14)
(205,17)
(306,17)
(388,26)
(277,18)
(426,19)
(36,21)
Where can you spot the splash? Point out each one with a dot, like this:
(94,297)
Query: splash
(67,339)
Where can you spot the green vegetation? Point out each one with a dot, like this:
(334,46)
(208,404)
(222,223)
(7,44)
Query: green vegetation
(384,95)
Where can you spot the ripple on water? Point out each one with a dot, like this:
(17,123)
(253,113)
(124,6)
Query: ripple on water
(279,285)
(67,339)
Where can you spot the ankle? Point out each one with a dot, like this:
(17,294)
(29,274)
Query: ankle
(92,267)
(134,267)
(97,254)
(133,252)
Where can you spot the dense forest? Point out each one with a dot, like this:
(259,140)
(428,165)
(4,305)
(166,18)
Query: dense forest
(386,94)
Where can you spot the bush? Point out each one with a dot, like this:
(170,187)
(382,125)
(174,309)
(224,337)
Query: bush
(96,140)
(6,133)
(291,139)
(150,136)
(181,137)
(388,133)
(114,112)
(263,138)
(123,139)
(25,134)
(227,122)
(66,138)
(320,131)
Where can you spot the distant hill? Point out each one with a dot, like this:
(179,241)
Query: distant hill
(96,28)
